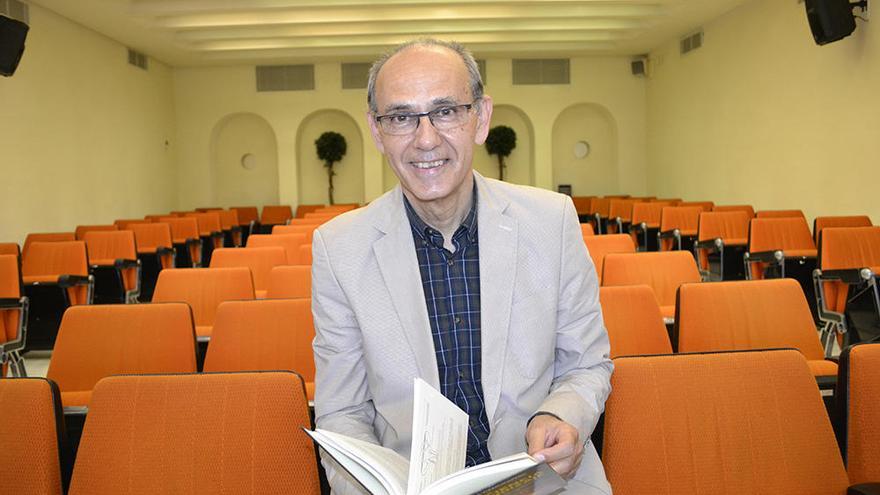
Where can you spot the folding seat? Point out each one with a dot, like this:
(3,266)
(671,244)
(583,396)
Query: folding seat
(646,224)
(587,230)
(582,207)
(732,423)
(204,289)
(199,434)
(231,228)
(290,282)
(114,263)
(81,230)
(820,223)
(290,243)
(45,237)
(260,261)
(155,251)
(744,315)
(301,210)
(210,232)
(705,205)
(248,219)
(678,228)
(112,339)
(186,240)
(32,436)
(55,276)
(746,208)
(124,224)
(274,215)
(300,228)
(722,239)
(780,214)
(633,320)
(848,299)
(600,245)
(262,336)
(782,247)
(664,272)
(9,248)
(856,397)
(620,215)
(599,209)
(13,317)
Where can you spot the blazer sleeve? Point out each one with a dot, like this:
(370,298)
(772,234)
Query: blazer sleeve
(583,368)
(343,403)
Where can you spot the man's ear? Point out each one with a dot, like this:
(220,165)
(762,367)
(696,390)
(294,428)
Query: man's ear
(374,131)
(484,117)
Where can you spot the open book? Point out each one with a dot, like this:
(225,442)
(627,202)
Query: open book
(439,445)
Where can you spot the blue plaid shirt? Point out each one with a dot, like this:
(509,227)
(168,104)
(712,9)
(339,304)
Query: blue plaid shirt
(451,282)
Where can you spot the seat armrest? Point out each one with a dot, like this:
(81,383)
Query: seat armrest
(710,244)
(864,489)
(850,276)
(162,250)
(122,264)
(669,234)
(11,303)
(73,280)
(766,256)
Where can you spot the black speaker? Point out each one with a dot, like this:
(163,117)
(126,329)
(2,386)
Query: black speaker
(12,35)
(830,20)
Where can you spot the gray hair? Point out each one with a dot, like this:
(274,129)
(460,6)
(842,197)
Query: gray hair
(476,82)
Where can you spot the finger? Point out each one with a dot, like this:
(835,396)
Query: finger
(558,451)
(536,438)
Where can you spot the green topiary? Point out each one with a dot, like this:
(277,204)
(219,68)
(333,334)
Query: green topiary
(331,148)
(501,141)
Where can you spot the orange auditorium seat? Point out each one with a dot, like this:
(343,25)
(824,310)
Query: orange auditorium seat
(820,223)
(633,320)
(259,260)
(780,214)
(290,242)
(114,262)
(722,238)
(600,245)
(290,282)
(13,314)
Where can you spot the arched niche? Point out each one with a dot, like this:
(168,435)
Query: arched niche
(348,183)
(520,165)
(579,127)
(244,161)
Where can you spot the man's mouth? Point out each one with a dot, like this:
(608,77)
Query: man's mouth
(427,165)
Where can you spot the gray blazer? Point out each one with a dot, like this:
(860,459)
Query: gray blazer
(544,345)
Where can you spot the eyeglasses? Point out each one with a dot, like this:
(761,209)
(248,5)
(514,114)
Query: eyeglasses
(443,119)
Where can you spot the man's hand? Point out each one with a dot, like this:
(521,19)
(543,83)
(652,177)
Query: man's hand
(555,442)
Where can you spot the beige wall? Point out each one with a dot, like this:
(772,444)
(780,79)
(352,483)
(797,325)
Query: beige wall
(85,137)
(348,183)
(762,115)
(244,161)
(205,96)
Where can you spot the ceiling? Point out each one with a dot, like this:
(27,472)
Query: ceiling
(231,32)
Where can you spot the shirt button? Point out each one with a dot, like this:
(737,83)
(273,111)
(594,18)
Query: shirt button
(450,262)
(473,424)
(457,319)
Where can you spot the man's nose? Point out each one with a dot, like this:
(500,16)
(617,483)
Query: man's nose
(427,137)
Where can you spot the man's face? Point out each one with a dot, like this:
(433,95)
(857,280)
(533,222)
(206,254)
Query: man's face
(432,166)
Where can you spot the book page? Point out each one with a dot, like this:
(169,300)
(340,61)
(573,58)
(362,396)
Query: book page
(384,464)
(439,438)
(518,474)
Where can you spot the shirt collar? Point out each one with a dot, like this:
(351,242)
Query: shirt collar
(425,231)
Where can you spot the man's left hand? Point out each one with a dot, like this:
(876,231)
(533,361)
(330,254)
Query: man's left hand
(556,442)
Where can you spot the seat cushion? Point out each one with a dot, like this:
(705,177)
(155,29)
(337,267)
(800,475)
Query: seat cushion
(822,367)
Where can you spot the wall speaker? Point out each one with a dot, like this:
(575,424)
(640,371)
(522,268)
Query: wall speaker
(12,35)
(830,20)
(639,66)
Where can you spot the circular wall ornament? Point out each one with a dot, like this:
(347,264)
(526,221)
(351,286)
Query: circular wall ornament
(581,149)
(249,161)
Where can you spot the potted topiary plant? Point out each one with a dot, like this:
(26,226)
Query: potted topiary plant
(501,141)
(331,148)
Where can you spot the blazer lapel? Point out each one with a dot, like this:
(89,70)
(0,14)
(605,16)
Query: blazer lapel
(396,256)
(498,244)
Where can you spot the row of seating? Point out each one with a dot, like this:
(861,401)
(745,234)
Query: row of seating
(734,422)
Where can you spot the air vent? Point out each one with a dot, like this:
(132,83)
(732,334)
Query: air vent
(137,59)
(691,43)
(481,64)
(14,10)
(285,77)
(354,76)
(541,71)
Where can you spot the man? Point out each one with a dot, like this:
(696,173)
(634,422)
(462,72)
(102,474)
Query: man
(481,288)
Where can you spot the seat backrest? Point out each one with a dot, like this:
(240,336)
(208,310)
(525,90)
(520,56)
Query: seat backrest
(151,236)
(9,248)
(290,282)
(684,218)
(337,208)
(786,233)
(260,261)
(600,206)
(204,289)
(219,433)
(299,228)
(45,237)
(228,219)
(748,209)
(246,214)
(82,229)
(275,214)
(263,335)
(10,288)
(587,229)
(843,248)
(600,245)
(663,271)
(301,210)
(305,255)
(110,339)
(289,242)
(582,204)
(208,222)
(105,247)
(780,214)
(820,223)
(857,396)
(621,208)
(124,224)
(704,205)
(55,258)
(736,423)
(731,226)
(182,228)
(741,315)
(648,213)
(633,320)
(30,433)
